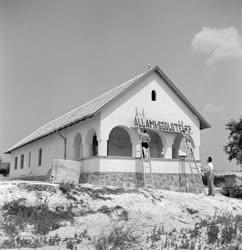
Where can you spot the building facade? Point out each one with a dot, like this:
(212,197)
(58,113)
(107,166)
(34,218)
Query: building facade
(101,136)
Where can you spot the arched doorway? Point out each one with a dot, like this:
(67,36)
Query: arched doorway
(179,146)
(94,145)
(91,143)
(156,145)
(77,147)
(119,143)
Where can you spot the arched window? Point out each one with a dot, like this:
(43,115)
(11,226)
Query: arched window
(153,95)
(179,147)
(156,145)
(119,143)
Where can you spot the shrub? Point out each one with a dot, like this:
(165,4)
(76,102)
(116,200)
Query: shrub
(195,232)
(10,228)
(219,180)
(17,216)
(121,213)
(120,237)
(235,192)
(228,233)
(155,236)
(41,241)
(19,242)
(222,229)
(66,187)
(192,211)
(212,231)
(37,187)
(229,227)
(54,240)
(71,243)
(238,219)
(96,194)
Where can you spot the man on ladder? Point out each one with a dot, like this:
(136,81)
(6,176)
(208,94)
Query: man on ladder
(145,155)
(145,148)
(145,141)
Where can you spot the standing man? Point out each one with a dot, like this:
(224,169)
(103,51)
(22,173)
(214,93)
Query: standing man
(145,140)
(210,176)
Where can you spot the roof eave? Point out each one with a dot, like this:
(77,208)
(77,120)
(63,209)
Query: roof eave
(52,132)
(203,123)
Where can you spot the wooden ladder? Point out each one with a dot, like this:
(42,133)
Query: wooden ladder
(146,164)
(191,159)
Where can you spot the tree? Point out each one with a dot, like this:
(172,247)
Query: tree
(234,146)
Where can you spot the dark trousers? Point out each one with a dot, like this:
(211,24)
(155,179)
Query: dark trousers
(210,185)
(145,146)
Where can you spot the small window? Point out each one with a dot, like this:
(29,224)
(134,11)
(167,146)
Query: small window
(40,157)
(22,161)
(16,163)
(153,95)
(29,159)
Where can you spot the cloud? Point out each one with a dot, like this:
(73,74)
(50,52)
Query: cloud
(212,108)
(218,44)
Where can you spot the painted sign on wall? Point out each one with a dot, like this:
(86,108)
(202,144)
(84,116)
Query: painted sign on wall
(161,125)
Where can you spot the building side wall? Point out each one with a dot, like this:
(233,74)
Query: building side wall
(52,148)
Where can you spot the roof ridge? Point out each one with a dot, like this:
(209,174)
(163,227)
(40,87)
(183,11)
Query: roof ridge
(55,120)
(97,97)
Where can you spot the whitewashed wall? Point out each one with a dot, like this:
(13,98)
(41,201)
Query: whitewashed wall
(52,147)
(125,164)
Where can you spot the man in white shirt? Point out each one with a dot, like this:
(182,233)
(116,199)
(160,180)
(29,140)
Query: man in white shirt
(210,177)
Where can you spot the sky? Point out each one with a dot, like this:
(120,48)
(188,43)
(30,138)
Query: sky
(56,55)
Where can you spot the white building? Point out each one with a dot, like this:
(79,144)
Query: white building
(100,137)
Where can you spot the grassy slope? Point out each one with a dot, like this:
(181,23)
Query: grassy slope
(99,209)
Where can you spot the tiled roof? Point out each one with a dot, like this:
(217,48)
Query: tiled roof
(95,105)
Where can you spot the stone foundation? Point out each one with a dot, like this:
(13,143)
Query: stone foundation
(174,182)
